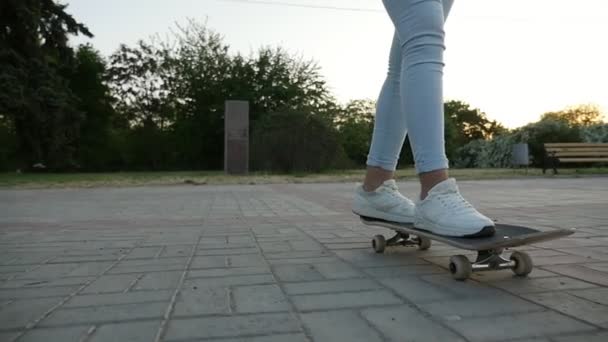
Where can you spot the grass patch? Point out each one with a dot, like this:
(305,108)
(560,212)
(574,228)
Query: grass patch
(125,179)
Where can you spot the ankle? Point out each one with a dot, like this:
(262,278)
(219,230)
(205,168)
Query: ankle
(375,177)
(428,180)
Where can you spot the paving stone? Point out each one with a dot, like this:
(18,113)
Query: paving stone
(591,337)
(159,281)
(119,298)
(227,271)
(479,307)
(266,338)
(132,332)
(259,279)
(344,300)
(37,292)
(111,283)
(391,322)
(297,273)
(55,334)
(597,295)
(202,301)
(339,326)
(101,314)
(338,270)
(228,251)
(329,286)
(211,261)
(20,312)
(38,283)
(398,271)
(149,265)
(522,325)
(524,285)
(143,253)
(8,336)
(573,306)
(297,255)
(233,326)
(259,298)
(582,273)
(300,261)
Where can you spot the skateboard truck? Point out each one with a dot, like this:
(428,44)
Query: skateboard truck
(490,260)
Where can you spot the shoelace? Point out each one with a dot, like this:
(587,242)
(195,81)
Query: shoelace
(454,201)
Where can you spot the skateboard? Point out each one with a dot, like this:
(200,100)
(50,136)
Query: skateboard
(489,249)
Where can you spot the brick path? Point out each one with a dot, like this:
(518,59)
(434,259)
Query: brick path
(288,263)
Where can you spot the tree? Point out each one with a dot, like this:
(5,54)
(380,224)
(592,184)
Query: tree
(94,148)
(470,123)
(355,125)
(581,115)
(34,94)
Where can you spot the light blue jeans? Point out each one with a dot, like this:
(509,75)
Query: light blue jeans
(411,99)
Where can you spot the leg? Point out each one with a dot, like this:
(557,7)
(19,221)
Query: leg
(390,126)
(442,210)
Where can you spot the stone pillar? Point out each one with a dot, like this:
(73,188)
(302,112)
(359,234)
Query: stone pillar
(236,137)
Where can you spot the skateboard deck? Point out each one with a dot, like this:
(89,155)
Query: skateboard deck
(489,249)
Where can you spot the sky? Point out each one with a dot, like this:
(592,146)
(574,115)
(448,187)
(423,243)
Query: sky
(513,59)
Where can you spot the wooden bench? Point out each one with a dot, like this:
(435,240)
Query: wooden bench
(557,153)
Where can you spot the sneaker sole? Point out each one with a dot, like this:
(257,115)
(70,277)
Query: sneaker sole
(373,213)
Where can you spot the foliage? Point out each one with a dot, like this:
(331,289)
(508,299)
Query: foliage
(295,142)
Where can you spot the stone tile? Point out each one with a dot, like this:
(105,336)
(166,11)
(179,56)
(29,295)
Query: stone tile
(582,273)
(8,336)
(111,283)
(339,326)
(149,265)
(159,281)
(297,273)
(202,302)
(398,271)
(526,285)
(573,306)
(344,300)
(132,332)
(260,298)
(338,270)
(37,292)
(391,322)
(233,326)
(20,312)
(330,286)
(38,283)
(597,295)
(227,271)
(259,279)
(479,307)
(522,325)
(266,338)
(105,314)
(590,337)
(55,334)
(119,298)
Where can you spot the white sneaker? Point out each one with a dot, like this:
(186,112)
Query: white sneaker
(445,212)
(385,203)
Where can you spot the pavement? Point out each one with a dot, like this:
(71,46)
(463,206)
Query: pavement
(288,263)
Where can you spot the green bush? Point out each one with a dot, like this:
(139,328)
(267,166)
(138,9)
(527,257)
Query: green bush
(295,141)
(597,133)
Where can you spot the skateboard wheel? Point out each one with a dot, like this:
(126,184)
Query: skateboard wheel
(379,243)
(460,267)
(523,263)
(424,243)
